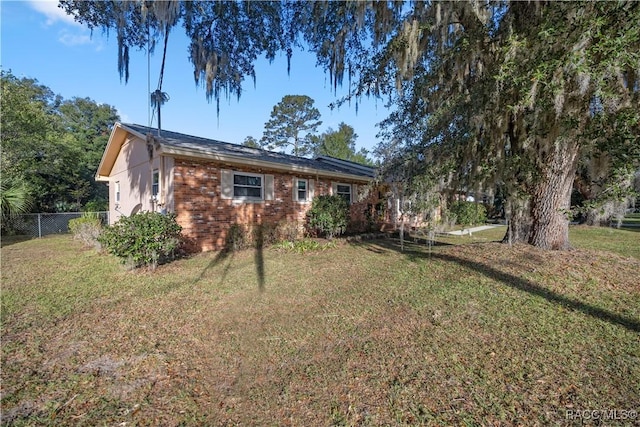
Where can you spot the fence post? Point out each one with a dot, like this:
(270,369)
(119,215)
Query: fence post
(39,227)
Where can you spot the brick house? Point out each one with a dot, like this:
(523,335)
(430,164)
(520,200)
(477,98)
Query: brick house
(211,185)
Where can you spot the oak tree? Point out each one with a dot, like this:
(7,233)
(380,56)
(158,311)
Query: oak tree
(515,91)
(514,94)
(51,147)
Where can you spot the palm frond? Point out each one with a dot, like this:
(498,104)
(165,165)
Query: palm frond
(15,199)
(158,98)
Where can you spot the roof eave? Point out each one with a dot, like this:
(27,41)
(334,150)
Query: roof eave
(116,138)
(114,145)
(240,160)
(347,164)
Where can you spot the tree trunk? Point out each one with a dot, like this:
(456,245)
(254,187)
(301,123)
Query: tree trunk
(518,215)
(551,199)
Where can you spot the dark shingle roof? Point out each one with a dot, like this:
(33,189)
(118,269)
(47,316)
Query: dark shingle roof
(211,146)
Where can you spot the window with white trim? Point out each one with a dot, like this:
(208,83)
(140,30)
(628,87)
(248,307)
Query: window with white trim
(344,191)
(247,186)
(155,184)
(117,191)
(302,189)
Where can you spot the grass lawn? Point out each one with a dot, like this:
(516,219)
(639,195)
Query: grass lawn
(622,242)
(469,332)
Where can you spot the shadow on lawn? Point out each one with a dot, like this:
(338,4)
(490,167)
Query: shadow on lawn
(10,240)
(512,281)
(221,257)
(227,255)
(259,258)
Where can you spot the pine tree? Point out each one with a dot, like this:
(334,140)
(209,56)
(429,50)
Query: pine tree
(292,120)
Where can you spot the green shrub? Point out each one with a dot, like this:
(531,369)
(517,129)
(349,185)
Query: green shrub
(304,245)
(262,235)
(241,236)
(143,239)
(91,214)
(468,213)
(96,206)
(238,238)
(87,229)
(328,216)
(64,206)
(288,231)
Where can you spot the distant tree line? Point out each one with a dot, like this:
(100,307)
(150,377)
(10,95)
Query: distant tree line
(51,148)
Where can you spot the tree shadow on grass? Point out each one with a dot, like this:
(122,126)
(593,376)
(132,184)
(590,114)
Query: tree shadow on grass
(221,257)
(411,244)
(226,255)
(414,252)
(10,240)
(259,258)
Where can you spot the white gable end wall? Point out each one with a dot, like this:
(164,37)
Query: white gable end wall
(133,171)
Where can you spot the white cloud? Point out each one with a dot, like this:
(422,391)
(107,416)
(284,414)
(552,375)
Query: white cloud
(73,33)
(69,39)
(51,10)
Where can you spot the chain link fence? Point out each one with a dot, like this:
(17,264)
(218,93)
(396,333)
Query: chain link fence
(43,224)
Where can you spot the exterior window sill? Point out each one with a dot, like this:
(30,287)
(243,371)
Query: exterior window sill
(242,201)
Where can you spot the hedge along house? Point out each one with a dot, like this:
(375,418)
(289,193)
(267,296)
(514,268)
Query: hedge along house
(211,185)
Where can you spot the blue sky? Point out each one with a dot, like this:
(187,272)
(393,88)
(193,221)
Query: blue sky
(39,41)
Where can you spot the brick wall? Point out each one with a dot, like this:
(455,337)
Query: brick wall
(206,217)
